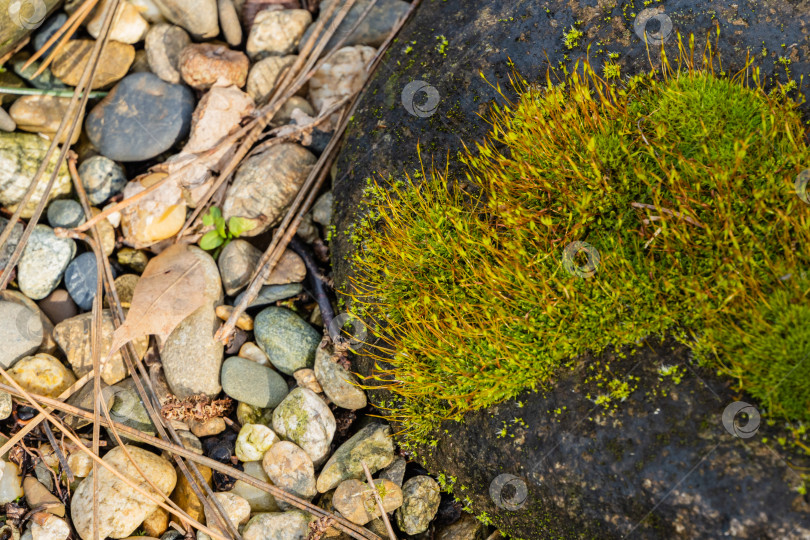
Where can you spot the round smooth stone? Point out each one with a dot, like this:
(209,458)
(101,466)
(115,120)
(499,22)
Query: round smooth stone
(81,278)
(65,213)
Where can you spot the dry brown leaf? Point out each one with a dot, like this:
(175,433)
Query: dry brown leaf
(171,288)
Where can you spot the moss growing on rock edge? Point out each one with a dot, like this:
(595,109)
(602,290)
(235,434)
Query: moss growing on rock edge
(604,214)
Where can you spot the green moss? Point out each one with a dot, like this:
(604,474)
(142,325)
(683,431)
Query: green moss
(595,215)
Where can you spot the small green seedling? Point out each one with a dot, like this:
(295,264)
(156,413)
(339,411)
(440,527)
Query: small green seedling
(222,233)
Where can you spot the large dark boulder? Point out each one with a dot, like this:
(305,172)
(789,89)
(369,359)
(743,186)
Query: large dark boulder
(661,464)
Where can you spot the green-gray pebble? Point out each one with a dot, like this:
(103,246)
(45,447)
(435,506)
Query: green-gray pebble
(287,340)
(257,385)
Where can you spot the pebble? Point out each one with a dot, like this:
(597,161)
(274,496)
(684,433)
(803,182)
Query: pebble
(106,233)
(191,357)
(127,408)
(12,242)
(338,383)
(125,289)
(21,332)
(292,525)
(156,524)
(277,32)
(420,502)
(251,351)
(253,441)
(466,528)
(5,405)
(244,321)
(43,114)
(395,471)
(265,185)
(371,445)
(59,306)
(199,17)
(142,117)
(207,428)
(252,383)
(51,25)
(73,336)
(43,262)
(37,494)
(270,294)
(48,344)
(164,43)
(356,502)
(65,213)
(304,419)
(20,157)
(44,81)
(185,497)
(128,25)
(80,463)
(264,75)
(121,509)
(42,374)
(190,441)
(284,116)
(133,258)
(306,379)
(83,399)
(287,340)
(7,123)
(248,414)
(259,500)
(229,22)
(116,58)
(374,28)
(322,209)
(102,178)
(10,482)
(49,527)
(236,509)
(81,278)
(202,65)
(341,76)
(149,10)
(138,221)
(239,259)
(291,469)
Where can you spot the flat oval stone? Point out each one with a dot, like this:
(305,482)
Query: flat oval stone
(42,114)
(43,262)
(270,294)
(115,60)
(102,178)
(291,469)
(42,374)
(141,118)
(287,339)
(81,278)
(65,213)
(292,525)
(371,445)
(245,380)
(338,383)
(20,332)
(199,17)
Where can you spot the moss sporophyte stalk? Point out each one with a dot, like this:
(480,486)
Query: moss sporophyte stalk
(683,181)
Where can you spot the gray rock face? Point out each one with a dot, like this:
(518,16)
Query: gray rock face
(20,157)
(371,445)
(43,262)
(142,117)
(420,502)
(265,185)
(623,463)
(304,419)
(192,358)
(102,178)
(287,340)
(337,382)
(199,17)
(246,381)
(20,332)
(374,28)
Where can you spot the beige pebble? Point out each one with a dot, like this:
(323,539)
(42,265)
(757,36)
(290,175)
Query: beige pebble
(244,322)
(213,426)
(306,378)
(251,351)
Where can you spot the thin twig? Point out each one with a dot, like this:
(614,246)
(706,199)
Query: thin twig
(377,497)
(58,451)
(670,212)
(45,92)
(315,279)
